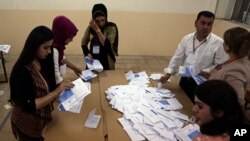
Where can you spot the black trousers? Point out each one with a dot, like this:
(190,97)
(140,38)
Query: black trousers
(188,85)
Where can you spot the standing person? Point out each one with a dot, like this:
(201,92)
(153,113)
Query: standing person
(33,87)
(201,49)
(64,31)
(217,110)
(103,37)
(236,70)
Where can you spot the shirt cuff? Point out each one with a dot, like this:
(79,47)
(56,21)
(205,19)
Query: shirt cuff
(168,70)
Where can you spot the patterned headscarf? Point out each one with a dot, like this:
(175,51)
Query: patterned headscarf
(63,29)
(99,10)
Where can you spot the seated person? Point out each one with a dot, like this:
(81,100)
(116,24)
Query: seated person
(201,49)
(236,70)
(217,110)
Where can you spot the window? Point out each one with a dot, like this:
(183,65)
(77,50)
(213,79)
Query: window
(235,10)
(241,11)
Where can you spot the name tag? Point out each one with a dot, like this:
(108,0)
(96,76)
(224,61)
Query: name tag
(96,49)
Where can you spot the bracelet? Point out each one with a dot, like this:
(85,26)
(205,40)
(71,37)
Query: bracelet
(98,31)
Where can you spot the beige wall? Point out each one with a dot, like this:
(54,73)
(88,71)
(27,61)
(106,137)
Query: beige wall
(140,33)
(146,27)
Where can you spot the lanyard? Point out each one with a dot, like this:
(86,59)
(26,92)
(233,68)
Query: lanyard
(218,67)
(196,47)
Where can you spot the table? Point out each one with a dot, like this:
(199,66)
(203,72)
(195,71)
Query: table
(114,128)
(69,126)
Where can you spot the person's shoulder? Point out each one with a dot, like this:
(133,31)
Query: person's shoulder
(215,37)
(188,36)
(20,72)
(111,24)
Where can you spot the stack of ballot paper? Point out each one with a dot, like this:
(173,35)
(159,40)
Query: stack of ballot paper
(146,114)
(188,132)
(87,75)
(71,99)
(137,79)
(189,71)
(94,64)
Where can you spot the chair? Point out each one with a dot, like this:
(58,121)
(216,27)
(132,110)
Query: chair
(247,98)
(4,69)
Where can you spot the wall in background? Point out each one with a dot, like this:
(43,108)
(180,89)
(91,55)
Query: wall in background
(146,27)
(179,6)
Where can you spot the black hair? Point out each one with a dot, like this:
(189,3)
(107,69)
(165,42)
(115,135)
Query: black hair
(207,14)
(220,96)
(99,10)
(37,36)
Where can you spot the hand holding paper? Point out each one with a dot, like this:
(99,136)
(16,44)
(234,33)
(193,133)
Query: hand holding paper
(94,64)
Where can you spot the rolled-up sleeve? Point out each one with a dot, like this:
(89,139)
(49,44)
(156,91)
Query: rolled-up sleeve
(177,59)
(58,76)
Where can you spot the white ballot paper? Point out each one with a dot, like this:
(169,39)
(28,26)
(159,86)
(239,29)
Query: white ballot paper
(87,75)
(190,71)
(92,120)
(94,64)
(5,48)
(70,97)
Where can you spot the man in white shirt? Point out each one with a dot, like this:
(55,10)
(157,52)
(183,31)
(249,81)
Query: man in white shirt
(202,49)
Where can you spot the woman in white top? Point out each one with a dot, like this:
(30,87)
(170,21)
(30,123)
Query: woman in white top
(64,31)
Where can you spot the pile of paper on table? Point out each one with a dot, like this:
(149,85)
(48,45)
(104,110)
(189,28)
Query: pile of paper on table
(71,99)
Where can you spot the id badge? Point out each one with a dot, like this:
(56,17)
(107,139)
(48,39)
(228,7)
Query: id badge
(96,49)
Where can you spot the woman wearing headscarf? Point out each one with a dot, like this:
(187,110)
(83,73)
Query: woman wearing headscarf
(103,38)
(64,31)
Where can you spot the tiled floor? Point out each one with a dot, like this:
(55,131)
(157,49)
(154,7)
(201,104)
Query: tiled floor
(134,63)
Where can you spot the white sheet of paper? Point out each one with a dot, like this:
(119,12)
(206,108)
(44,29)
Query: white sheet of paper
(76,108)
(156,76)
(92,120)
(96,65)
(179,115)
(87,75)
(80,90)
(74,102)
(5,48)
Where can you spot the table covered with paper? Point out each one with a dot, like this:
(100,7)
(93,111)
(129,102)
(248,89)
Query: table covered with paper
(136,109)
(126,106)
(72,112)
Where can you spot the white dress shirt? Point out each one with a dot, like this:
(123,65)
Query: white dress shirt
(204,55)
(60,70)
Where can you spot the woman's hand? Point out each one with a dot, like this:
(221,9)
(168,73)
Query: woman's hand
(77,71)
(93,25)
(65,84)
